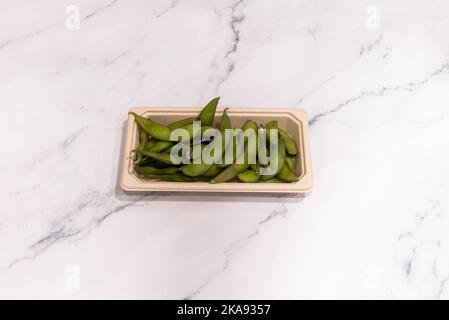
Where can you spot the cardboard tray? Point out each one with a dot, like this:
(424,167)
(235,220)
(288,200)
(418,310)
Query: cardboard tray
(294,121)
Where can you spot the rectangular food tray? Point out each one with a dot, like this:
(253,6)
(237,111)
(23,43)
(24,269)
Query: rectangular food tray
(294,121)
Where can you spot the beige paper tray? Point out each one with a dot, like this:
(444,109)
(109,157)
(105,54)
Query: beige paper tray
(293,120)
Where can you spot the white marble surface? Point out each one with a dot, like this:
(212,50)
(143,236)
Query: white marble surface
(376,90)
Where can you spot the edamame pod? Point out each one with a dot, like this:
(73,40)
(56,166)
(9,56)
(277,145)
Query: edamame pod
(153,129)
(207,114)
(272,125)
(280,160)
(230,173)
(213,171)
(153,170)
(197,169)
(161,157)
(249,176)
(189,129)
(143,138)
(168,150)
(160,146)
(271,180)
(149,162)
(290,144)
(181,123)
(153,159)
(150,143)
(286,174)
(233,170)
(291,162)
(249,124)
(254,166)
(175,178)
(225,122)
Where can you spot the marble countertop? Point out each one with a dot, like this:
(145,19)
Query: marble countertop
(372,75)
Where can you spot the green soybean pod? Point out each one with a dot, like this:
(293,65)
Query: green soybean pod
(175,178)
(143,138)
(249,176)
(290,144)
(299,168)
(168,150)
(280,160)
(194,156)
(233,170)
(291,162)
(160,146)
(189,128)
(250,125)
(207,114)
(147,162)
(223,164)
(270,126)
(286,174)
(213,171)
(271,180)
(184,178)
(153,170)
(150,143)
(255,166)
(161,157)
(252,154)
(197,169)
(225,121)
(273,124)
(152,128)
(230,173)
(181,123)
(227,145)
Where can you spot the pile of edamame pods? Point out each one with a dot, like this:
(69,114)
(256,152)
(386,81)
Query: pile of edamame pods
(152,157)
